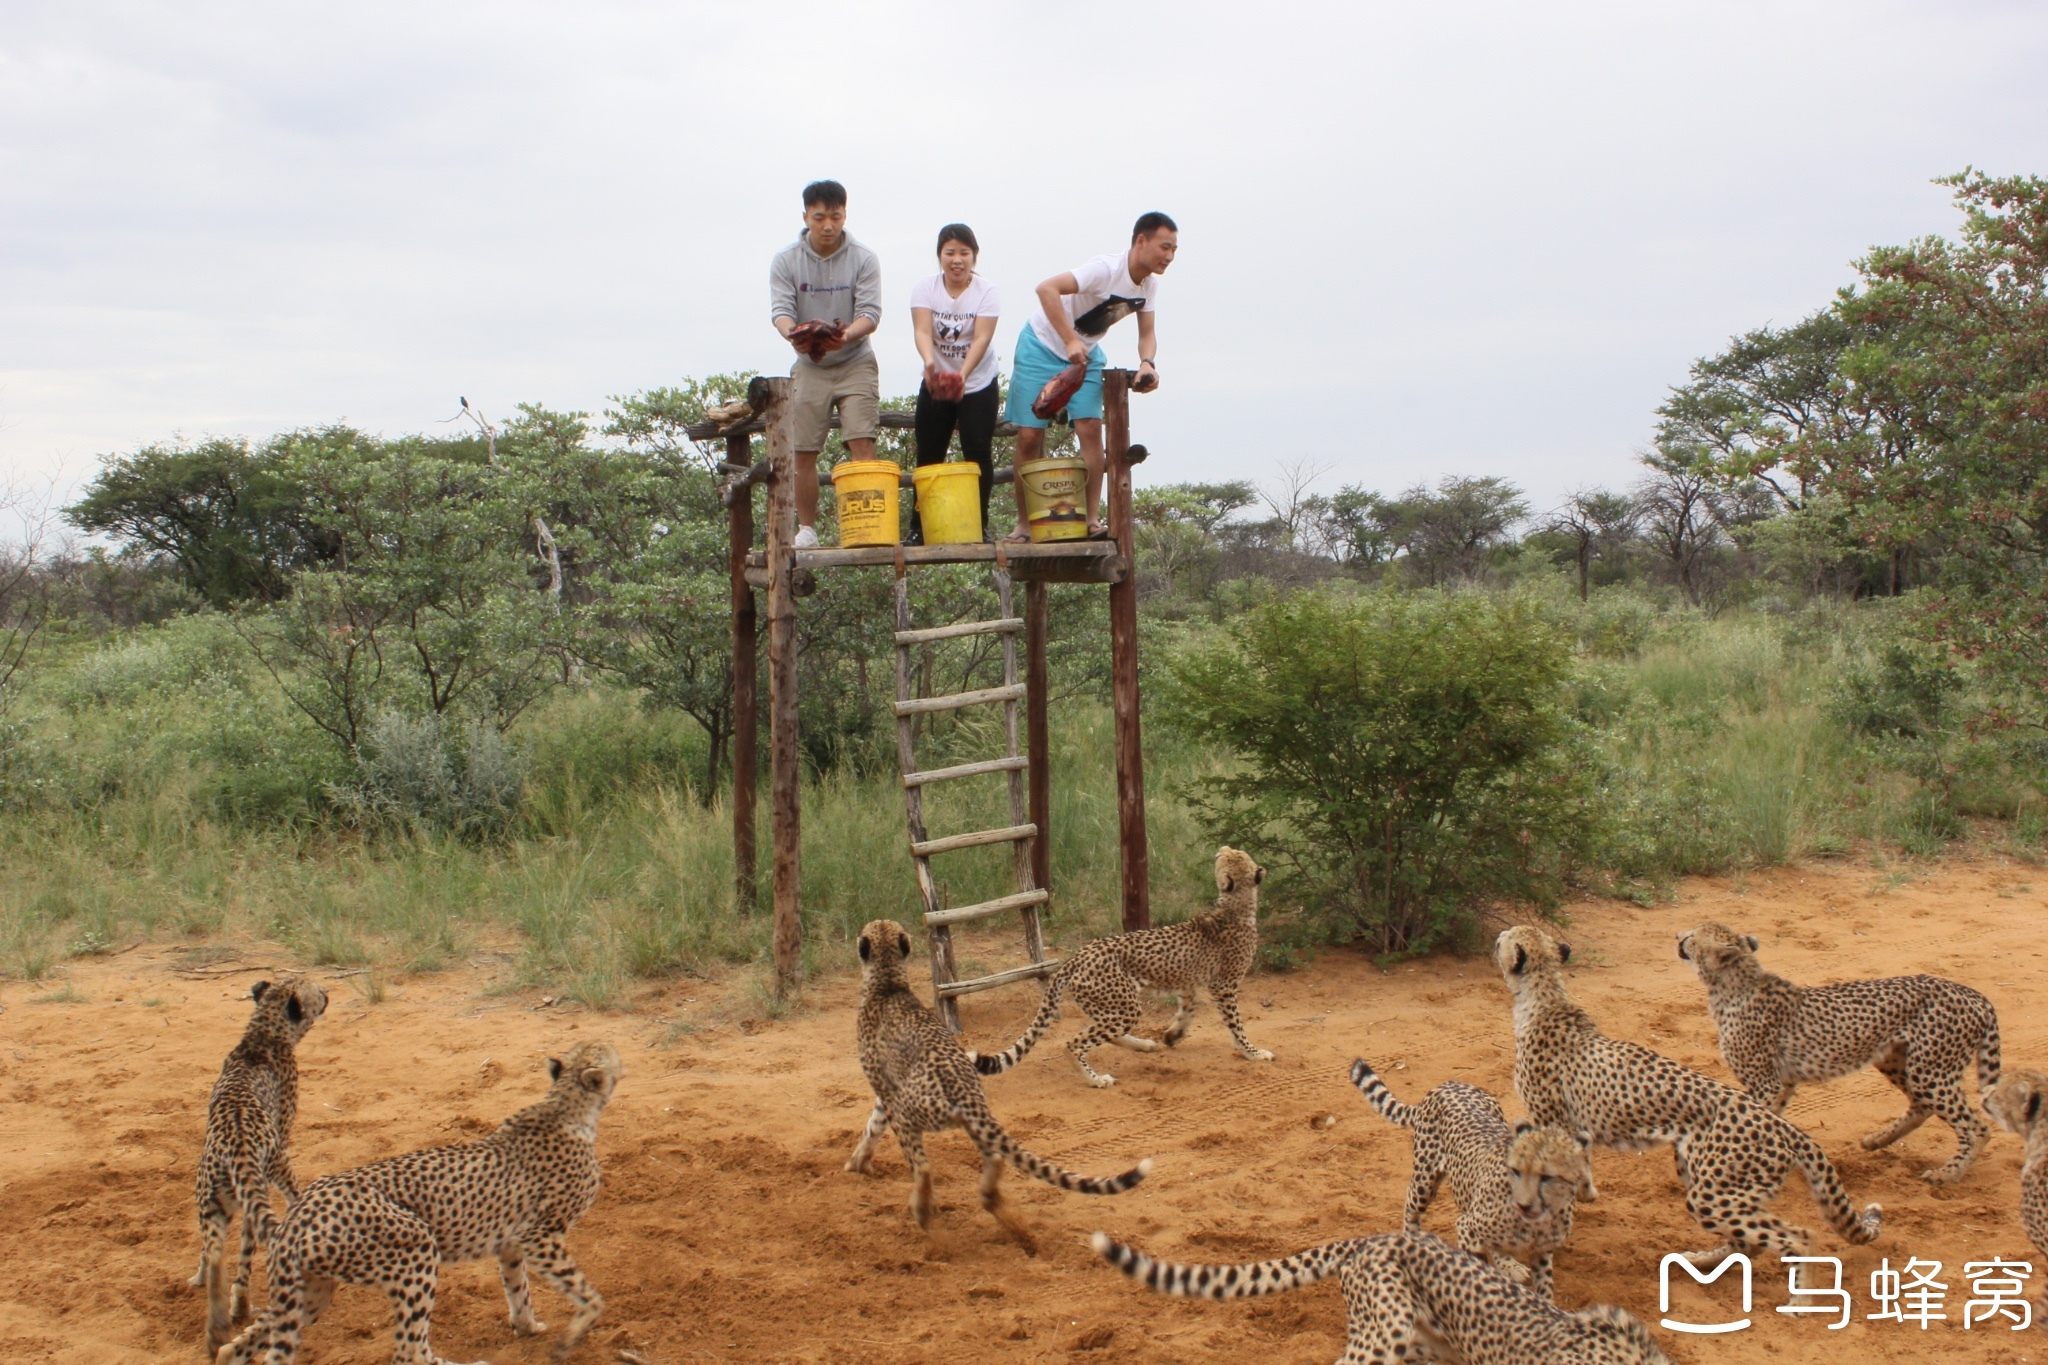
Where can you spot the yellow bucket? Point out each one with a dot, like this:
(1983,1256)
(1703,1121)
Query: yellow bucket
(1055,492)
(867,502)
(949,502)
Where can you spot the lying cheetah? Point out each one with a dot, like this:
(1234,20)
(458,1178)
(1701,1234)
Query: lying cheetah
(1920,1031)
(924,1083)
(1410,1297)
(248,1142)
(1516,1189)
(2016,1105)
(1215,949)
(1731,1152)
(513,1195)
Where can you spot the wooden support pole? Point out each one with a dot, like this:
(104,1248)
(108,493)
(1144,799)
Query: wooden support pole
(785,788)
(1037,736)
(1123,656)
(745,756)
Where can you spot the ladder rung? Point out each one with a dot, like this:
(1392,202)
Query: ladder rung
(1023,900)
(1014,692)
(993,765)
(1007,626)
(982,983)
(975,840)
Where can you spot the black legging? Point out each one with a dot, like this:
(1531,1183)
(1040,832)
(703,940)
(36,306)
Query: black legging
(975,416)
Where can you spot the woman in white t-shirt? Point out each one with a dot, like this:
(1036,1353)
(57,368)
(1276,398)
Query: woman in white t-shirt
(953,318)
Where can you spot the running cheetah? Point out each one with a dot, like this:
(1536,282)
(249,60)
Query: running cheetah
(924,1083)
(1516,1188)
(1410,1297)
(1920,1031)
(2016,1105)
(248,1142)
(513,1195)
(1731,1152)
(1215,949)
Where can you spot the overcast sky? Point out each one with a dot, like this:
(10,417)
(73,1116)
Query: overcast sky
(1416,240)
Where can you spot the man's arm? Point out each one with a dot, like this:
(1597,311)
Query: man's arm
(867,298)
(781,295)
(1148,347)
(1050,292)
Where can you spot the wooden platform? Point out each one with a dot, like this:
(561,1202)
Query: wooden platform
(1070,561)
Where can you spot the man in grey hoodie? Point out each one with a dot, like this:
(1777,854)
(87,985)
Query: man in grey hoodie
(825,276)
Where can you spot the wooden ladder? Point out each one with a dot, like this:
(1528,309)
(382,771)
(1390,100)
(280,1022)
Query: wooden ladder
(1020,834)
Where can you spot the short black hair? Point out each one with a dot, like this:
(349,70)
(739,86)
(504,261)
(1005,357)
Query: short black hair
(1149,223)
(957,232)
(830,193)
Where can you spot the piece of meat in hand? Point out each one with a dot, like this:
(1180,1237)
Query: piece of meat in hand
(1058,390)
(816,338)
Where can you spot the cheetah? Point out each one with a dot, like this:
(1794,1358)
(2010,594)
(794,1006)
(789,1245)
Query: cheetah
(1215,949)
(513,1195)
(248,1142)
(2016,1106)
(1731,1152)
(1410,1296)
(925,1083)
(1516,1188)
(1920,1031)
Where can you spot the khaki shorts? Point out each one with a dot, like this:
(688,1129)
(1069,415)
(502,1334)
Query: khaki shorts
(855,386)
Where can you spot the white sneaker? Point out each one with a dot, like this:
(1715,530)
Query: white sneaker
(806,539)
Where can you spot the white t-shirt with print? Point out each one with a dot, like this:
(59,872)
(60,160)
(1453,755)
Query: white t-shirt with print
(953,323)
(1107,296)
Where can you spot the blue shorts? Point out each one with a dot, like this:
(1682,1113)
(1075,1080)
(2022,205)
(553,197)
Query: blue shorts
(1034,367)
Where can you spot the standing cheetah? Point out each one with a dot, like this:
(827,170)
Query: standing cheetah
(1409,1296)
(924,1083)
(248,1142)
(1920,1031)
(1731,1152)
(1215,949)
(1516,1188)
(513,1195)
(2017,1106)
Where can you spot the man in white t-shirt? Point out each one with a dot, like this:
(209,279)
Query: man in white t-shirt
(1075,311)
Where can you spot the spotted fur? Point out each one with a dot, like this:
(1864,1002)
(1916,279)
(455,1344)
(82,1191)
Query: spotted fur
(924,1083)
(1516,1188)
(248,1142)
(2019,1104)
(1921,1032)
(1216,949)
(1732,1153)
(1411,1297)
(512,1196)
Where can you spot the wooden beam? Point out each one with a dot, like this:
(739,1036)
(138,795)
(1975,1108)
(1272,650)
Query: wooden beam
(993,765)
(1123,657)
(905,421)
(785,795)
(745,755)
(884,556)
(1038,739)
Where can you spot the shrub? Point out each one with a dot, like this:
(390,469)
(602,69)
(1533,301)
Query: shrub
(428,776)
(1406,756)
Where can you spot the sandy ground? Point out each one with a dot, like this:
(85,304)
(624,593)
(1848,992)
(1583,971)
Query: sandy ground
(727,1229)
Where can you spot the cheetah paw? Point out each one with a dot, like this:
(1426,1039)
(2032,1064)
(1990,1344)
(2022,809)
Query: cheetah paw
(1258,1054)
(1941,1175)
(1102,1081)
(532,1327)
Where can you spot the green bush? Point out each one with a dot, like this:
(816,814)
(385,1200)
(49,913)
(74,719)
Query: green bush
(427,776)
(1405,757)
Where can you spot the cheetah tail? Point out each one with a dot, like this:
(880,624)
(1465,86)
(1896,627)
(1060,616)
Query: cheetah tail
(1826,1187)
(251,1185)
(993,1141)
(1379,1097)
(995,1064)
(1988,1063)
(1227,1281)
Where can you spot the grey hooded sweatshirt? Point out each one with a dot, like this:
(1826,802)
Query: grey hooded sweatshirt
(838,288)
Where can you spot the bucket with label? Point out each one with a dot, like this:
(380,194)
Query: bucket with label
(1055,497)
(949,502)
(867,502)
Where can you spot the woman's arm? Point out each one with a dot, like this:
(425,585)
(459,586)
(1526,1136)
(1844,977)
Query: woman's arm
(984,336)
(921,333)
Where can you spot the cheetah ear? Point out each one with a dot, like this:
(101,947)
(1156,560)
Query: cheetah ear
(1750,939)
(1683,956)
(593,1078)
(903,946)
(294,1011)
(1523,1126)
(866,948)
(2033,1105)
(1229,885)
(256,991)
(1521,959)
(554,1068)
(1258,875)
(1564,951)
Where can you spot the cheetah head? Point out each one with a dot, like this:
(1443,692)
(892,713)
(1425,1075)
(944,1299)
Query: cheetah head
(1235,871)
(592,1070)
(884,947)
(1521,953)
(1548,1171)
(287,1006)
(2015,1103)
(1713,948)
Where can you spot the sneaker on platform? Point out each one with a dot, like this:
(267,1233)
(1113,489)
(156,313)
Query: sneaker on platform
(806,539)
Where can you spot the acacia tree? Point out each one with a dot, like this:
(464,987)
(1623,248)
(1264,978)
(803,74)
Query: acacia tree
(1595,524)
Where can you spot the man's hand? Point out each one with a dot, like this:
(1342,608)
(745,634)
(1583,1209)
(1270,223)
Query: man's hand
(1148,378)
(815,338)
(1077,349)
